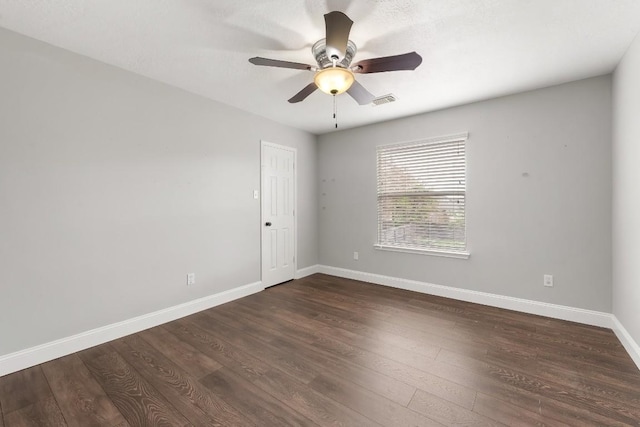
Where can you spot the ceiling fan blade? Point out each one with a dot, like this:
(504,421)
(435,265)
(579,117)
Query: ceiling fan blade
(406,61)
(338,25)
(277,63)
(360,94)
(302,95)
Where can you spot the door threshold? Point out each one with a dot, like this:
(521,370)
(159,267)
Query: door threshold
(278,284)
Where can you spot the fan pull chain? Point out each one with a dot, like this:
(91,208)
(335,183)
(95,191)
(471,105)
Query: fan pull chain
(334,60)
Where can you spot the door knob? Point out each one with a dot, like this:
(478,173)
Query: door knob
(268,224)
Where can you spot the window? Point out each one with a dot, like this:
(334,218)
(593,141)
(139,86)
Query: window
(421,196)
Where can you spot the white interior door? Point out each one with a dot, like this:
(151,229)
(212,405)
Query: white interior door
(278,214)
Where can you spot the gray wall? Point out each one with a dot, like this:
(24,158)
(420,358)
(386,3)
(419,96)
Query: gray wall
(113,187)
(626,191)
(556,220)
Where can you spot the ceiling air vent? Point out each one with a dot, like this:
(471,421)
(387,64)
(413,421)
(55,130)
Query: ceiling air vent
(384,99)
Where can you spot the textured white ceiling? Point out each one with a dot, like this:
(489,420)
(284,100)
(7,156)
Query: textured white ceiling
(471,49)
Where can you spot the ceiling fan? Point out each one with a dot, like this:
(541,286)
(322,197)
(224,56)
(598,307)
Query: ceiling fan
(334,73)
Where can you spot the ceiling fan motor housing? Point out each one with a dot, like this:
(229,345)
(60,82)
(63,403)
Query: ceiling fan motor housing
(319,51)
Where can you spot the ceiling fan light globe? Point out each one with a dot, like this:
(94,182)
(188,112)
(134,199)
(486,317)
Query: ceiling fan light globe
(334,80)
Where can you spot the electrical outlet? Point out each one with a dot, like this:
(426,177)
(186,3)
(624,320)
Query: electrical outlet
(356,256)
(191,279)
(548,280)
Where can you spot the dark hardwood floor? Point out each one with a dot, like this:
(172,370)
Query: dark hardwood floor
(329,351)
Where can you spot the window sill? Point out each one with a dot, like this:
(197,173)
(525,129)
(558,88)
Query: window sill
(446,254)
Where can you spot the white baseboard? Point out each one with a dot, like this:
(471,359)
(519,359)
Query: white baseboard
(19,360)
(579,315)
(308,271)
(589,317)
(627,341)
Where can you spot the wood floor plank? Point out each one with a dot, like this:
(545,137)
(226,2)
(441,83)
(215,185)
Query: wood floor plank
(181,353)
(313,405)
(14,393)
(292,363)
(1,416)
(384,411)
(135,398)
(256,404)
(185,393)
(570,349)
(78,394)
(360,333)
(327,351)
(604,348)
(95,352)
(376,309)
(525,399)
(43,413)
(383,385)
(560,400)
(600,337)
(448,413)
(246,365)
(394,302)
(603,383)
(380,346)
(509,352)
(401,301)
(621,369)
(298,396)
(423,333)
(511,415)
(229,315)
(624,405)
(412,376)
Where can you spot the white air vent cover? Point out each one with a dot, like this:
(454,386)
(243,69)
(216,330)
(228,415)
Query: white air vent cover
(384,99)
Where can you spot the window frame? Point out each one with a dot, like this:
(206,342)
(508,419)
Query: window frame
(450,253)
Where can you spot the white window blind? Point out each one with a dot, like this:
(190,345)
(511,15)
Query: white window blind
(421,195)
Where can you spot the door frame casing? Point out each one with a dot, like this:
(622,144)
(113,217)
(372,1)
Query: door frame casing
(264,143)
